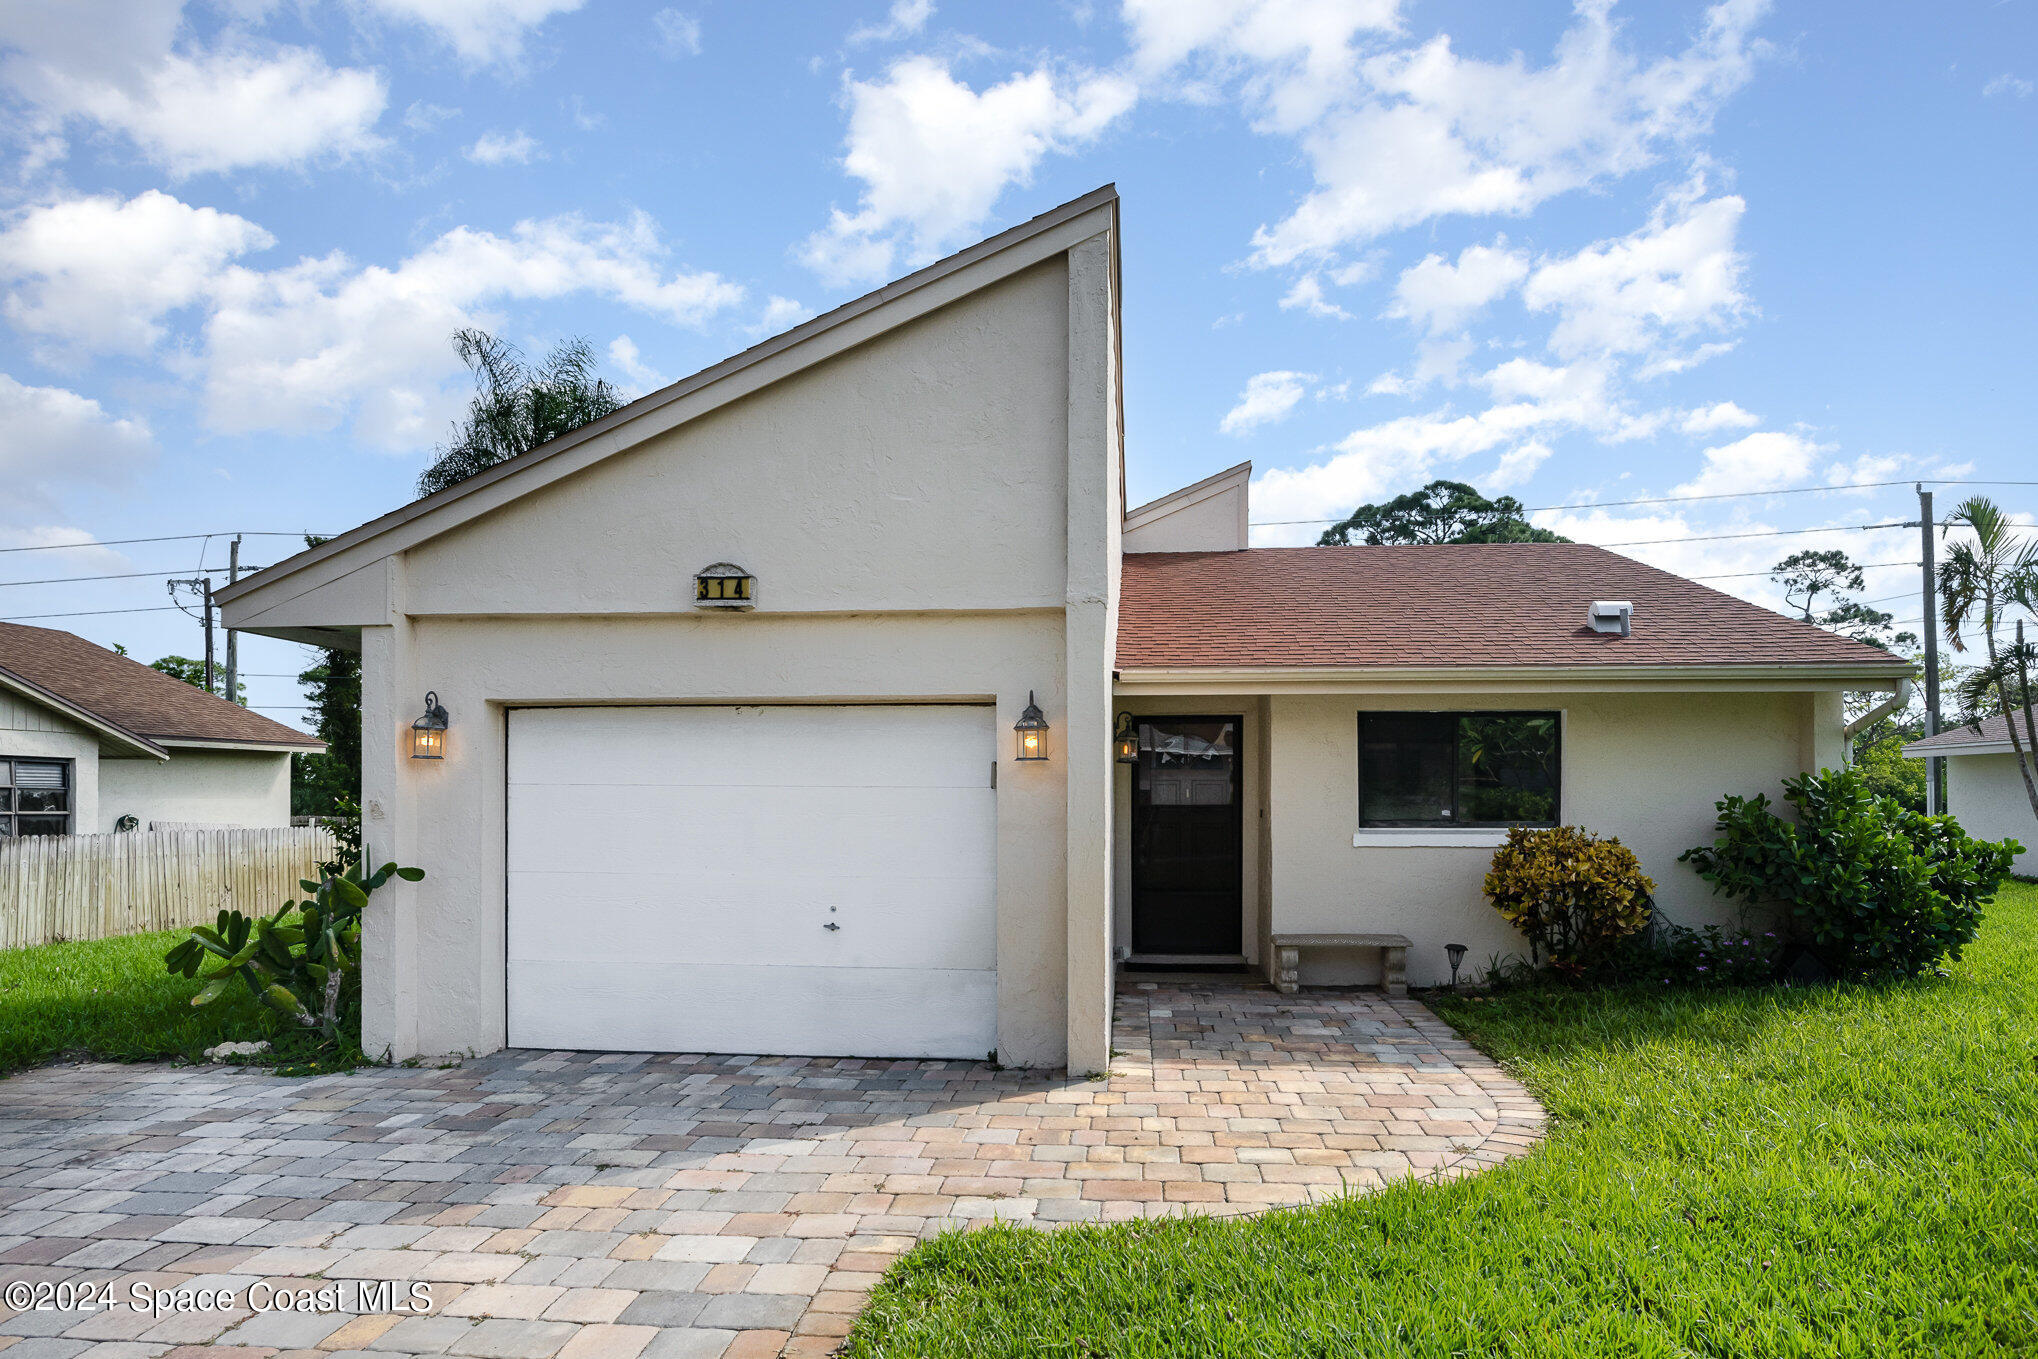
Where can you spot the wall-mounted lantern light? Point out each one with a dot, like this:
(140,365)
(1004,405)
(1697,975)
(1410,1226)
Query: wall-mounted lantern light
(428,733)
(1125,741)
(724,586)
(1032,731)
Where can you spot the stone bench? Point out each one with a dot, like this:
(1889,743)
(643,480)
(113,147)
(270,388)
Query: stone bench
(1393,957)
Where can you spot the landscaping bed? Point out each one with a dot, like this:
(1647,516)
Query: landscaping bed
(1831,1170)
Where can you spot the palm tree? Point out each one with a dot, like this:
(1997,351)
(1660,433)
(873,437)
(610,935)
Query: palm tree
(1978,582)
(517,407)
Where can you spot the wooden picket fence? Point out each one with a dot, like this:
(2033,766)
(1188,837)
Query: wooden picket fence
(56,887)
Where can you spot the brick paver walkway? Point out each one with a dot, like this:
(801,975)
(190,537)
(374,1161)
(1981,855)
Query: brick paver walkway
(609,1206)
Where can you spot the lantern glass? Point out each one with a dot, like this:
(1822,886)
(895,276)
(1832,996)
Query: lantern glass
(1031,731)
(428,733)
(1125,741)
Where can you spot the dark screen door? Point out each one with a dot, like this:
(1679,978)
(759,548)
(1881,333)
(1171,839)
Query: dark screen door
(1187,837)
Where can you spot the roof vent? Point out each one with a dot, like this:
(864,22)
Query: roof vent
(1610,616)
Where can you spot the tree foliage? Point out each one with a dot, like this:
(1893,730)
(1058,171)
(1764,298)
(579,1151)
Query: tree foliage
(1809,576)
(516,407)
(192,672)
(1441,512)
(1870,887)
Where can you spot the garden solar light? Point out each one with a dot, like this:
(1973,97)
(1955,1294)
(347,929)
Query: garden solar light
(1457,952)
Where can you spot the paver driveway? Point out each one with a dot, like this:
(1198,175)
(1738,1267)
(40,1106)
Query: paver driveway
(586,1205)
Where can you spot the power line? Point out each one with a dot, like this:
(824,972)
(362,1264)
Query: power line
(90,613)
(116,575)
(1734,575)
(167,538)
(1682,499)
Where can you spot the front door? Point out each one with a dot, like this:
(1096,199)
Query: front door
(1187,838)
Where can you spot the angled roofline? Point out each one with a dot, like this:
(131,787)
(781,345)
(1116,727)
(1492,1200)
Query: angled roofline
(440,503)
(1190,494)
(105,728)
(1538,678)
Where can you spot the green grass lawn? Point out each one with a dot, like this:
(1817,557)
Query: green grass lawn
(1838,1171)
(112,999)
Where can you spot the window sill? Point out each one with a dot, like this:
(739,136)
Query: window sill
(1477,838)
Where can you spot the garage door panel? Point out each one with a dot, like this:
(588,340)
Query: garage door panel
(853,832)
(720,747)
(673,872)
(896,1012)
(738,919)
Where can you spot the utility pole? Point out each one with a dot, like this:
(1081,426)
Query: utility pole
(203,585)
(1935,768)
(233,668)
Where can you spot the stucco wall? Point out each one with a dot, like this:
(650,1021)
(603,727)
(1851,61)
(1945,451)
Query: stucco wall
(1986,794)
(905,509)
(1645,767)
(926,469)
(1213,522)
(214,787)
(483,667)
(32,730)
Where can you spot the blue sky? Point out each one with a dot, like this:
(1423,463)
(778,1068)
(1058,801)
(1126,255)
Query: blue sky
(1582,255)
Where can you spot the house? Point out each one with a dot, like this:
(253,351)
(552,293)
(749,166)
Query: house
(1984,787)
(782,708)
(89,738)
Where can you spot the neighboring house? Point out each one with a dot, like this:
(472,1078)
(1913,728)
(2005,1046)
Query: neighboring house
(1983,786)
(732,678)
(88,737)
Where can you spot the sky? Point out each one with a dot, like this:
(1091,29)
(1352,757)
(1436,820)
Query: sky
(1583,256)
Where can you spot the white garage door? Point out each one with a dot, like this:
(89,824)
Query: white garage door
(804,880)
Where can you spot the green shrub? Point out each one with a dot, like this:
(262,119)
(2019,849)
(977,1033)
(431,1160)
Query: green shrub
(1868,885)
(299,961)
(1574,895)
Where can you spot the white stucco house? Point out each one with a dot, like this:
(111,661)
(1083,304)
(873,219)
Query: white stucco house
(89,737)
(739,683)
(1984,787)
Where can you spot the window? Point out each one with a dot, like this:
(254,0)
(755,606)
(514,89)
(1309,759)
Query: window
(35,797)
(1458,769)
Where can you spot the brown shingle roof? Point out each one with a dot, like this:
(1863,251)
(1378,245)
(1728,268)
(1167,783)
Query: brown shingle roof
(1475,605)
(1994,731)
(131,696)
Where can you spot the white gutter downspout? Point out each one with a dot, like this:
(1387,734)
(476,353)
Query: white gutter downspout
(1876,714)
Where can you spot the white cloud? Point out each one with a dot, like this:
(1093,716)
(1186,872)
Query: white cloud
(1308,296)
(1722,415)
(242,103)
(1268,398)
(1441,296)
(68,554)
(481,31)
(1532,403)
(935,155)
(50,434)
(679,33)
(2007,86)
(1396,135)
(1763,461)
(1291,59)
(325,340)
(629,360)
(1515,467)
(504,148)
(902,20)
(780,313)
(101,274)
(1678,275)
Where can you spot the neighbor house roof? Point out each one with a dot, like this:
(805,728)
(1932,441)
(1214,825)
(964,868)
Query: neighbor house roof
(127,700)
(1488,605)
(1988,736)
